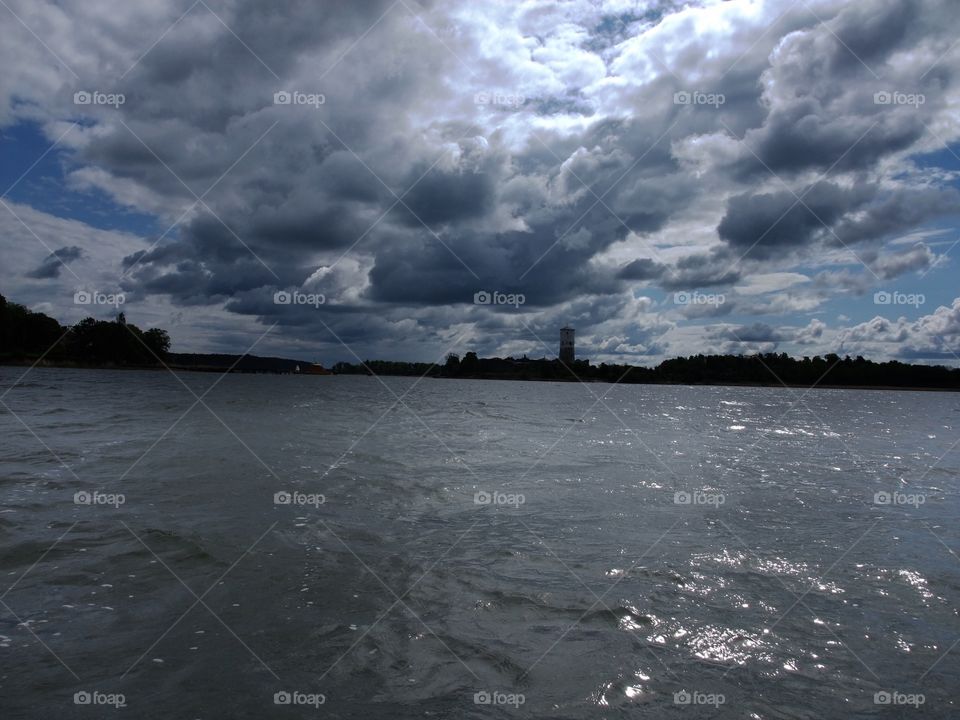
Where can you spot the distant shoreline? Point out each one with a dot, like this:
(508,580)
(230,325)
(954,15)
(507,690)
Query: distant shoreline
(61,365)
(235,371)
(31,338)
(791,386)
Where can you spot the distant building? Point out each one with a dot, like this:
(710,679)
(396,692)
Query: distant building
(567,352)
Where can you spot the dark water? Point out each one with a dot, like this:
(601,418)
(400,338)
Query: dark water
(600,596)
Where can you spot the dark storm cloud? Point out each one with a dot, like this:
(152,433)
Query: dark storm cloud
(831,119)
(209,262)
(767,224)
(174,81)
(429,274)
(548,261)
(443,197)
(897,211)
(871,33)
(641,269)
(451,269)
(707,270)
(55,262)
(799,138)
(755,333)
(718,267)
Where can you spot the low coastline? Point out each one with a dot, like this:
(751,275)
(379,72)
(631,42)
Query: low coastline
(66,365)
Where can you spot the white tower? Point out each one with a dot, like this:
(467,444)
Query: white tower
(567,352)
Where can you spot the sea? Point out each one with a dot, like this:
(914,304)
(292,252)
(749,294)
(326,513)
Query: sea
(201,546)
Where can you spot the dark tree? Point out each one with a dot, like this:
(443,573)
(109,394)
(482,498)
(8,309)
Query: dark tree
(158,341)
(470,364)
(26,335)
(452,366)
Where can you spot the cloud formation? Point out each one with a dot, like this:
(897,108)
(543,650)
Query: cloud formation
(595,157)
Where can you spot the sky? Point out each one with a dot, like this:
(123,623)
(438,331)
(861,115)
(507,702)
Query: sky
(401,180)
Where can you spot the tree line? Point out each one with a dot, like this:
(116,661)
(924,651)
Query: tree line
(26,336)
(760,369)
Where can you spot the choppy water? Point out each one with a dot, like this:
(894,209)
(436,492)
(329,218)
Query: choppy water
(600,596)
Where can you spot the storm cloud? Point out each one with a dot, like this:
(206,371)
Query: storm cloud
(54,262)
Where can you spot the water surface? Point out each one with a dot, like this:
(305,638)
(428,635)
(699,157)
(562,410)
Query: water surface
(586,588)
